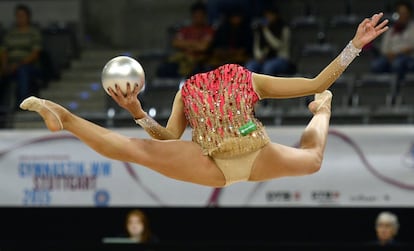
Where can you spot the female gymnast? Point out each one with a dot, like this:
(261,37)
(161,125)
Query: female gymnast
(228,143)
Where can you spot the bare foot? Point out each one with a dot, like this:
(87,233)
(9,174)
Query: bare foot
(50,112)
(321,103)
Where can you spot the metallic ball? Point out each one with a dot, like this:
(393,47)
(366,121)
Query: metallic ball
(121,70)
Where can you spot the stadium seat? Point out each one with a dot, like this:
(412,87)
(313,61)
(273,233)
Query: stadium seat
(405,91)
(374,90)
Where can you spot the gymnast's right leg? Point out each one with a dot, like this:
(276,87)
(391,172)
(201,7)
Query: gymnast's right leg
(277,160)
(181,160)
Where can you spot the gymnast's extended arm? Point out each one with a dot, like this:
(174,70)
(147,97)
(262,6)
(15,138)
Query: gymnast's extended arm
(281,87)
(176,123)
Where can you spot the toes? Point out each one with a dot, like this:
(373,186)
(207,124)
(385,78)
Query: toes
(31,103)
(27,103)
(321,100)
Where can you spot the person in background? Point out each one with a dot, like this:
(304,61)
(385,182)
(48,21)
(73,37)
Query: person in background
(138,227)
(233,39)
(397,45)
(271,44)
(20,57)
(190,43)
(386,228)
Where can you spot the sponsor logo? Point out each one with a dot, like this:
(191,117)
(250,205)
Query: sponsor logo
(283,196)
(101,198)
(325,196)
(370,198)
(363,198)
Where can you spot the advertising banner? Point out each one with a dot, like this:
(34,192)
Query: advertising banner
(363,166)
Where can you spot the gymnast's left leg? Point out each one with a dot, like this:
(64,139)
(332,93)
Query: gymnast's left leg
(276,160)
(177,159)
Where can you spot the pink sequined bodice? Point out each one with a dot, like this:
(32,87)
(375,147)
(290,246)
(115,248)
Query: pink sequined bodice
(217,103)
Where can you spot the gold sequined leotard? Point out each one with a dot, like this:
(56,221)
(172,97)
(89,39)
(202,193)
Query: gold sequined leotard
(217,104)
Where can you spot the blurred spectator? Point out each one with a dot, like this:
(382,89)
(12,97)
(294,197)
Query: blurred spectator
(386,227)
(20,63)
(138,227)
(191,43)
(397,46)
(271,44)
(233,39)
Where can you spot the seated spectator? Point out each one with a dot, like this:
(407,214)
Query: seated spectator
(20,56)
(138,227)
(233,39)
(271,45)
(136,230)
(397,46)
(386,227)
(191,43)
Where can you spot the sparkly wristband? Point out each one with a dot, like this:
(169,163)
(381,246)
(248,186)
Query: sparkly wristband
(149,124)
(146,122)
(349,53)
(153,128)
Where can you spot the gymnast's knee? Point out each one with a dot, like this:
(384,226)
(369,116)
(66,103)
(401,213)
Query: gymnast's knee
(315,163)
(315,168)
(309,139)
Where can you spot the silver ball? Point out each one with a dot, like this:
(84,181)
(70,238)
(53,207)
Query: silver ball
(121,70)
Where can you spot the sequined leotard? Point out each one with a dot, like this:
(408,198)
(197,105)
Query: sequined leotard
(220,102)
(217,104)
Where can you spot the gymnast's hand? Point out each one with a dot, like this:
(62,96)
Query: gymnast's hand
(369,29)
(129,101)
